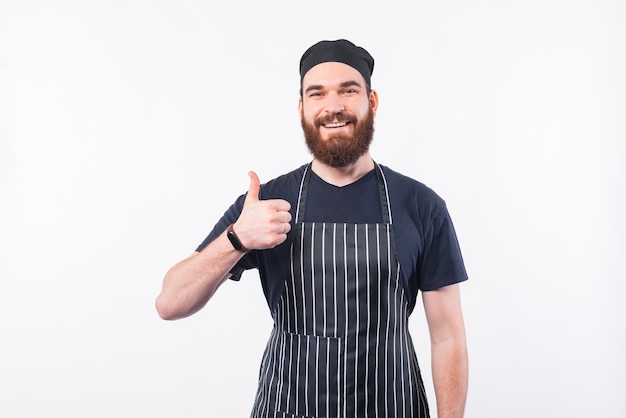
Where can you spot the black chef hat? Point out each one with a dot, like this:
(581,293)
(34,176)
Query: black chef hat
(338,51)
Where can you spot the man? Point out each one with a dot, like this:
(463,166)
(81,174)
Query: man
(342,246)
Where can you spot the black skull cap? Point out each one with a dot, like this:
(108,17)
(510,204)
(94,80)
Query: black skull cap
(342,51)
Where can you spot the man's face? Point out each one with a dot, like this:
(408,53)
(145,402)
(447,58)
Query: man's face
(337,113)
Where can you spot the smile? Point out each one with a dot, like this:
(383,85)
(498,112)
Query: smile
(335,125)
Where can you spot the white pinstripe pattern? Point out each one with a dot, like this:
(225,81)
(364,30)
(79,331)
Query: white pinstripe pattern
(340,346)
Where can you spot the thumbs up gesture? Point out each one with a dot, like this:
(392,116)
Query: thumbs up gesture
(263,223)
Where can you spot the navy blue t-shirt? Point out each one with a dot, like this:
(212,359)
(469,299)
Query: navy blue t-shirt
(426,242)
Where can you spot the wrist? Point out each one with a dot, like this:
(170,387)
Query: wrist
(234,239)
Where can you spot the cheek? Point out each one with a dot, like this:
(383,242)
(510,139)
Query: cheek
(309,114)
(364,108)
(358,107)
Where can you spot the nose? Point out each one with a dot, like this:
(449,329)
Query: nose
(334,104)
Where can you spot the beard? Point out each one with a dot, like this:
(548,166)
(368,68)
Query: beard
(339,150)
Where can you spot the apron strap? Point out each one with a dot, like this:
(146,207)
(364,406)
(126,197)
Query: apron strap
(384,195)
(302,194)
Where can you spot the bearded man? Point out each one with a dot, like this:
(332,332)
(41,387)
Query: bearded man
(343,245)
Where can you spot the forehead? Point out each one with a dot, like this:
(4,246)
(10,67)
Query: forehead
(331,73)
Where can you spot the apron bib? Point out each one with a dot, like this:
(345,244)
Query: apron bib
(340,346)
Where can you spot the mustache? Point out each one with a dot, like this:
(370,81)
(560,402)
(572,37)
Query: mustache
(338,117)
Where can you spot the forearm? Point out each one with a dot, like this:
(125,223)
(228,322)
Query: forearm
(189,285)
(450,376)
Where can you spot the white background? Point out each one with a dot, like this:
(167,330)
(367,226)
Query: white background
(128,127)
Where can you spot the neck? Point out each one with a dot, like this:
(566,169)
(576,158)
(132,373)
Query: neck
(342,176)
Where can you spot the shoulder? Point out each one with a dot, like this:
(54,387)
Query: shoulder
(409,190)
(285,186)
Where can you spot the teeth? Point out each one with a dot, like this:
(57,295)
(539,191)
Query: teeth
(335,125)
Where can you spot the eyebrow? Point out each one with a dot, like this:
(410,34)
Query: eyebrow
(343,85)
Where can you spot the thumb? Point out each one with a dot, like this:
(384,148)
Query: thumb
(255,186)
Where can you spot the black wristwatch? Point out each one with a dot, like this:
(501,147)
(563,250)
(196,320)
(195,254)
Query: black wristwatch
(232,237)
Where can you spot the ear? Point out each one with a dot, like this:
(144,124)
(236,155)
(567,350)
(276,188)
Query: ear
(300,105)
(373,99)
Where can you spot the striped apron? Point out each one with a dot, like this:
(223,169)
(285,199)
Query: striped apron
(340,346)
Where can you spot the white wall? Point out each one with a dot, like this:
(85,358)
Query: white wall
(127,128)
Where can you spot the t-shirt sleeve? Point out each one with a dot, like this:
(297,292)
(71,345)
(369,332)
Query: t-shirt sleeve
(442,262)
(231,215)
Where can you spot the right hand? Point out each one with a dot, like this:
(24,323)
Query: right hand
(263,223)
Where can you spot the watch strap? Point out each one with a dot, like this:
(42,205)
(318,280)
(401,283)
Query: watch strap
(234,239)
